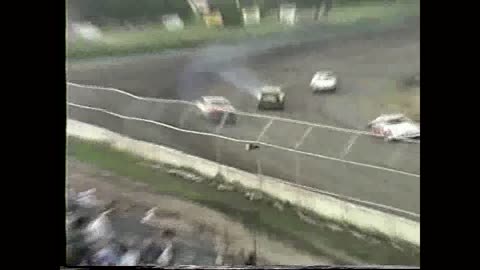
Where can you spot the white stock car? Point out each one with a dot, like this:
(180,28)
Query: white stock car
(324,81)
(271,97)
(214,108)
(395,127)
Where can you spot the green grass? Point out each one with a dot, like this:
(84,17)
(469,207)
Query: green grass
(154,38)
(365,10)
(285,225)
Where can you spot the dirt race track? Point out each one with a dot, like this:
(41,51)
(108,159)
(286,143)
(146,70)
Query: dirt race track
(367,64)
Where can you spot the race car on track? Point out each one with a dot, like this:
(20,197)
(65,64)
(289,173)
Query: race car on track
(395,127)
(271,98)
(324,81)
(215,108)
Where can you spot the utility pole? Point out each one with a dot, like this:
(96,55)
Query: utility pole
(297,158)
(217,148)
(316,10)
(252,258)
(327,7)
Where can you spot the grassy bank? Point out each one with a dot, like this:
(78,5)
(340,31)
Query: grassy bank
(154,38)
(319,236)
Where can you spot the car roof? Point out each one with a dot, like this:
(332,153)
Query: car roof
(270,89)
(403,128)
(215,98)
(390,117)
(325,72)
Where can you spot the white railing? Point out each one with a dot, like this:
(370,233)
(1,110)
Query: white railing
(247,141)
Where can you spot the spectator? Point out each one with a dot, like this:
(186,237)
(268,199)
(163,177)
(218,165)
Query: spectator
(252,259)
(87,199)
(150,251)
(149,215)
(78,222)
(130,258)
(99,229)
(166,257)
(76,249)
(106,256)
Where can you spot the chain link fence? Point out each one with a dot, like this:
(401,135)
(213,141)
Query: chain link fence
(352,165)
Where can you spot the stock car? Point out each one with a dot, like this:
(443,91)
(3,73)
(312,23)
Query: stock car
(271,98)
(394,127)
(324,81)
(215,108)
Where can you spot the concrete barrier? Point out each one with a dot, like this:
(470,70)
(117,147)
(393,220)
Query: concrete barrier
(323,205)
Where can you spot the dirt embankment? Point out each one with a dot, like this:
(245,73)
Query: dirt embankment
(229,237)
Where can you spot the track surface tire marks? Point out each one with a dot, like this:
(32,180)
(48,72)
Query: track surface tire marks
(353,60)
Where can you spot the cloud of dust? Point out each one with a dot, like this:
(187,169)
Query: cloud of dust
(221,62)
(243,79)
